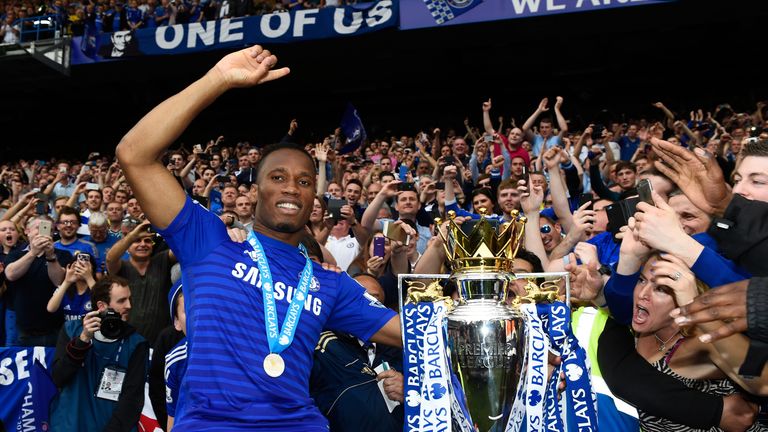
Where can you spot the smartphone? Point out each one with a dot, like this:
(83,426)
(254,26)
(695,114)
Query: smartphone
(440,185)
(62,169)
(86,168)
(334,208)
(91,186)
(197,148)
(644,190)
(488,138)
(405,186)
(403,173)
(378,246)
(396,233)
(449,160)
(83,257)
(525,174)
(44,229)
(586,198)
(616,219)
(41,204)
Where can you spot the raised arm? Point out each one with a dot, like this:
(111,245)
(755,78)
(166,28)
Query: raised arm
(321,154)
(487,117)
(561,123)
(140,150)
(532,119)
(667,113)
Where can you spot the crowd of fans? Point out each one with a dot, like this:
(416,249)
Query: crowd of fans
(92,17)
(641,258)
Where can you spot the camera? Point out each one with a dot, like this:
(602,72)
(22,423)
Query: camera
(111,324)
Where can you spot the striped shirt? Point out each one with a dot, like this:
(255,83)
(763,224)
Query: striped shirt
(225,387)
(175,366)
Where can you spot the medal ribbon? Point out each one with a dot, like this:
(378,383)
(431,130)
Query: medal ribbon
(280,339)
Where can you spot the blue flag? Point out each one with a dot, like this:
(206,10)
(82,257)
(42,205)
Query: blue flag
(353,129)
(446,10)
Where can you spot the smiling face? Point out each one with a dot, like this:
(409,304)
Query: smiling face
(509,199)
(285,194)
(68,225)
(317,212)
(693,219)
(482,201)
(751,178)
(652,302)
(550,234)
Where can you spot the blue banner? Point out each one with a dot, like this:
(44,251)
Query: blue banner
(296,25)
(429,13)
(26,388)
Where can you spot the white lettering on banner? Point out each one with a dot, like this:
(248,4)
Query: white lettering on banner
(162,41)
(282,28)
(7,376)
(21,364)
(303,17)
(551,6)
(338,21)
(27,420)
(228,27)
(597,3)
(206,33)
(521,5)
(379,14)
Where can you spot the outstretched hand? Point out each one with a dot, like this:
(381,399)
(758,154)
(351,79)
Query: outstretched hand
(249,67)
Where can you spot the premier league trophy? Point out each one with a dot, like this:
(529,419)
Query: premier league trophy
(480,363)
(486,337)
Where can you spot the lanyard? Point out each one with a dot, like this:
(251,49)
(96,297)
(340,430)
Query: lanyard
(278,344)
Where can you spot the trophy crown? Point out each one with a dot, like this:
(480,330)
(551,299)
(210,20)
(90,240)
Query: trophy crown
(482,244)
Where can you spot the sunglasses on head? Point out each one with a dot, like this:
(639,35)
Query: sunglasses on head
(546,229)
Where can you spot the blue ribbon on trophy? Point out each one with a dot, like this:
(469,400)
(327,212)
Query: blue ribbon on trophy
(578,407)
(433,397)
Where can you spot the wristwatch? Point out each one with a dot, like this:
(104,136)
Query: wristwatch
(52,259)
(605,270)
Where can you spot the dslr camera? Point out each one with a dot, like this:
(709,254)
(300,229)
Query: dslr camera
(111,324)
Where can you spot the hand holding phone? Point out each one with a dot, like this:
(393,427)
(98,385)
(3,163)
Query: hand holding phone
(645,191)
(378,246)
(44,228)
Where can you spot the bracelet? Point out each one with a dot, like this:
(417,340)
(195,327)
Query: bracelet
(52,259)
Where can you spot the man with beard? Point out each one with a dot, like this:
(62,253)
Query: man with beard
(239,298)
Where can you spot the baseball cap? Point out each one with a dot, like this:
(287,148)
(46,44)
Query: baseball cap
(172,295)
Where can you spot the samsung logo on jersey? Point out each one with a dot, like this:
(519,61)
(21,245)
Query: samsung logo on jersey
(282,292)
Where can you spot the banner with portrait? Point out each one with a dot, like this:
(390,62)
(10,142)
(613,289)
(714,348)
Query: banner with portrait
(231,33)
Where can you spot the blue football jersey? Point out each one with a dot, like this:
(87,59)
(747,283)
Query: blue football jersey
(225,386)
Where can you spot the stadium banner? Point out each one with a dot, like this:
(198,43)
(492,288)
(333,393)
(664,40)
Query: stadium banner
(26,388)
(283,27)
(431,13)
